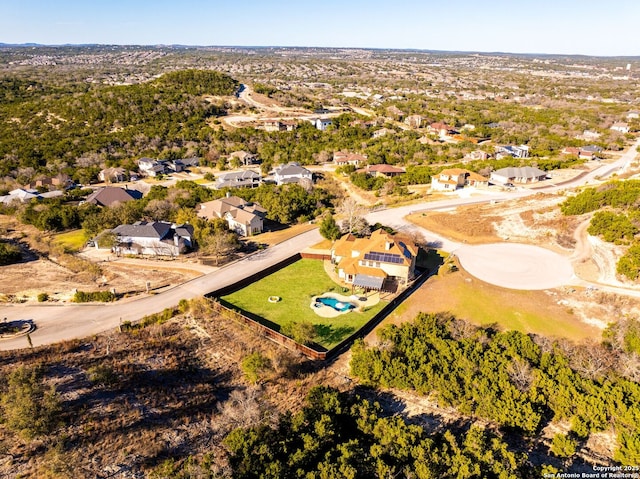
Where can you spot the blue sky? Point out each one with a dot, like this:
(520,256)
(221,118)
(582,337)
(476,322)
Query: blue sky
(592,27)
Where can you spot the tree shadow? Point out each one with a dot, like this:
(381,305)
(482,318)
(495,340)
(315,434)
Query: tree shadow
(328,334)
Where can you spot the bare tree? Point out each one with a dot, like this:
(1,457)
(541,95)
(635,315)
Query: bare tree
(520,373)
(352,213)
(242,409)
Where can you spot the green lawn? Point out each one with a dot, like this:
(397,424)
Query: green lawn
(483,304)
(71,241)
(296,285)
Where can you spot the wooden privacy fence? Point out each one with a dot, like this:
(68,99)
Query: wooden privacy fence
(268,332)
(309,352)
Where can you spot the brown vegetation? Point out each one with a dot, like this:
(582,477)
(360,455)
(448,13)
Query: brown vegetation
(132,399)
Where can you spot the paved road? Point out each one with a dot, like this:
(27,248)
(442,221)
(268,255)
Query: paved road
(510,265)
(506,264)
(57,323)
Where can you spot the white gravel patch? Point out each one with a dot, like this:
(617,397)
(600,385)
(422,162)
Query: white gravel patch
(516,266)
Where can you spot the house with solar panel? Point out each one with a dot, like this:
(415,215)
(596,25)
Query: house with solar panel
(381,262)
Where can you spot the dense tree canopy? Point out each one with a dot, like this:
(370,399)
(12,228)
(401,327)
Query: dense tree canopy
(341,436)
(504,377)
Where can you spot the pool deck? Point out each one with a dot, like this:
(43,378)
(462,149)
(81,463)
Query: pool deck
(371,299)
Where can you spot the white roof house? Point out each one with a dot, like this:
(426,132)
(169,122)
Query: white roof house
(291,173)
(525,174)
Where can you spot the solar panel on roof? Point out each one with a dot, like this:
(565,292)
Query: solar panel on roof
(384,257)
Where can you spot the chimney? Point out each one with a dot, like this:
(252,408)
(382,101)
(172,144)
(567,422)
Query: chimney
(388,244)
(228,194)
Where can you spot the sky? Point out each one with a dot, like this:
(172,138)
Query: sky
(588,27)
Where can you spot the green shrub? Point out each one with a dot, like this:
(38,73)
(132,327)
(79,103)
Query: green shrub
(563,445)
(255,366)
(102,374)
(100,296)
(28,407)
(9,253)
(43,297)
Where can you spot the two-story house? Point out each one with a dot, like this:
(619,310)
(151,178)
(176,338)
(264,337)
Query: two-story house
(379,262)
(243,217)
(239,179)
(451,179)
(291,173)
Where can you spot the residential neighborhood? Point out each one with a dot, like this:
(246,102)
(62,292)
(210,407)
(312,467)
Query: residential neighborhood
(278,261)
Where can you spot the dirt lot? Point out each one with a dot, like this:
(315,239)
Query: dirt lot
(129,400)
(47,270)
(535,220)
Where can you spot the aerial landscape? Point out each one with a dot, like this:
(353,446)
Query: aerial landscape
(276,240)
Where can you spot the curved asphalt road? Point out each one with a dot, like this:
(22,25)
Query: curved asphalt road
(509,265)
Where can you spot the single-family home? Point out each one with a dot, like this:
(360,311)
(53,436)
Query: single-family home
(441,129)
(384,170)
(620,126)
(521,151)
(323,123)
(154,238)
(451,179)
(151,167)
(244,157)
(243,217)
(239,179)
(592,149)
(633,114)
(589,135)
(113,175)
(109,195)
(342,158)
(580,152)
(525,174)
(51,182)
(383,132)
(477,155)
(279,125)
(380,262)
(22,195)
(190,162)
(395,113)
(291,173)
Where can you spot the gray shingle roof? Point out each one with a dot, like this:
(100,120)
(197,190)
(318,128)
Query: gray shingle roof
(144,229)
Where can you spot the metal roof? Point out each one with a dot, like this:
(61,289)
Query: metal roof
(369,282)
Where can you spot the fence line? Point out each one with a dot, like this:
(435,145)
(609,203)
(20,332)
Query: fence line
(268,332)
(309,352)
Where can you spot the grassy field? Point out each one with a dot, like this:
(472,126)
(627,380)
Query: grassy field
(296,285)
(480,303)
(71,241)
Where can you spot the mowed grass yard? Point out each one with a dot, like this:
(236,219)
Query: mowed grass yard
(296,285)
(483,304)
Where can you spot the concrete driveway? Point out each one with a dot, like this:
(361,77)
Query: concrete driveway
(516,266)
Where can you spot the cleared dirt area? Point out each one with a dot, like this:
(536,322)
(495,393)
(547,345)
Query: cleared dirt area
(48,269)
(131,399)
(535,220)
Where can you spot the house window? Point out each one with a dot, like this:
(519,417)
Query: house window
(377,264)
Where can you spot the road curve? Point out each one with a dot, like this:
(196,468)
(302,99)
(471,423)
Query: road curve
(506,264)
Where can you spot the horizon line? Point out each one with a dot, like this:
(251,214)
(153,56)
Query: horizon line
(407,49)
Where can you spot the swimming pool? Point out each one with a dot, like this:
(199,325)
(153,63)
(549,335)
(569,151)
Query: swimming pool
(335,304)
